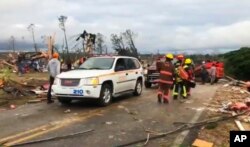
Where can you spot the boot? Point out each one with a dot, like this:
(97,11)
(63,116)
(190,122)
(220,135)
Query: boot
(159,98)
(165,101)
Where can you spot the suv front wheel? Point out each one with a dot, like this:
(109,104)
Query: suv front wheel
(138,88)
(105,95)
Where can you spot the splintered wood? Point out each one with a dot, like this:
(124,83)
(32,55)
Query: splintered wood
(202,143)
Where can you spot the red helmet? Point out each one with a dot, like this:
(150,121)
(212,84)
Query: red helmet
(180,57)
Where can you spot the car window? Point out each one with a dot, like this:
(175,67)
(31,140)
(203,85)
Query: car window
(98,63)
(120,65)
(130,64)
(137,64)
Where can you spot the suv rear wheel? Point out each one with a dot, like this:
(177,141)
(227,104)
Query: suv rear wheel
(106,95)
(138,88)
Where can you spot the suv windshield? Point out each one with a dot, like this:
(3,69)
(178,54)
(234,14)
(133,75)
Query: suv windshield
(97,63)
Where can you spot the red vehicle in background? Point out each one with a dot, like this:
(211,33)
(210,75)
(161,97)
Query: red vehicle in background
(151,73)
(219,69)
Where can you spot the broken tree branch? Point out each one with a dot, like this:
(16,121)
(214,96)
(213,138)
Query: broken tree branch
(10,65)
(147,139)
(54,138)
(184,127)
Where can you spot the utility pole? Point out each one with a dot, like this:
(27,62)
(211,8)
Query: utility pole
(12,39)
(31,28)
(106,50)
(62,19)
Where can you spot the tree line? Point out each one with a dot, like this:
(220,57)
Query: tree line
(237,63)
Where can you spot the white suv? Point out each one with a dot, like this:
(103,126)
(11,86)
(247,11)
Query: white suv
(100,78)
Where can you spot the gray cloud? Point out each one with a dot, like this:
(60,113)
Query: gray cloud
(161,24)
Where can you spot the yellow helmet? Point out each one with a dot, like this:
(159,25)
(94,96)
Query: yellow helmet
(170,56)
(188,61)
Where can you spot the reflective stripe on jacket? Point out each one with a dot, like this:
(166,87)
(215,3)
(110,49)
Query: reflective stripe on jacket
(166,73)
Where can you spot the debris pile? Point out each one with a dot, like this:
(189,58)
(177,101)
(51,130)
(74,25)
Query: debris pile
(25,62)
(230,99)
(19,90)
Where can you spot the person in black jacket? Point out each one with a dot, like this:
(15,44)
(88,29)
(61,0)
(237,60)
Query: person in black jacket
(204,73)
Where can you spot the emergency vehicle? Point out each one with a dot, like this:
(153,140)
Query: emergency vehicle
(100,78)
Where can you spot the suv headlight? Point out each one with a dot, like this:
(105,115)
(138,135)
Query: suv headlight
(56,81)
(91,81)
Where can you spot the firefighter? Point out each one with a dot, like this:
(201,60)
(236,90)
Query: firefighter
(180,59)
(179,81)
(166,70)
(190,71)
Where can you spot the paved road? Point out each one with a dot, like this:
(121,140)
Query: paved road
(122,122)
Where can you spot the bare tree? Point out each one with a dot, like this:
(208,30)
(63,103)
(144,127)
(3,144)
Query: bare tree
(129,37)
(124,43)
(117,42)
(100,44)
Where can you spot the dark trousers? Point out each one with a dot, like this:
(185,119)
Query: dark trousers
(203,78)
(51,81)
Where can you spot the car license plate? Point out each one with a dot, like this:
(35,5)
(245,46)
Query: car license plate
(78,92)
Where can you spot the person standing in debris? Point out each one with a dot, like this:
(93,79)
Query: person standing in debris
(54,70)
(212,74)
(204,73)
(19,62)
(166,70)
(69,65)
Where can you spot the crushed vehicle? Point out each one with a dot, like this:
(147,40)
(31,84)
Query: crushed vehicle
(101,78)
(219,69)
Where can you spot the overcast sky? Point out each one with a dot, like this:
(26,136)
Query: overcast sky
(159,24)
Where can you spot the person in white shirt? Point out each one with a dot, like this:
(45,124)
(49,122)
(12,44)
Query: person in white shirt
(54,70)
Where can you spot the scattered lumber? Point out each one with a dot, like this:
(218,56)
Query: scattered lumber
(238,123)
(10,65)
(202,143)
